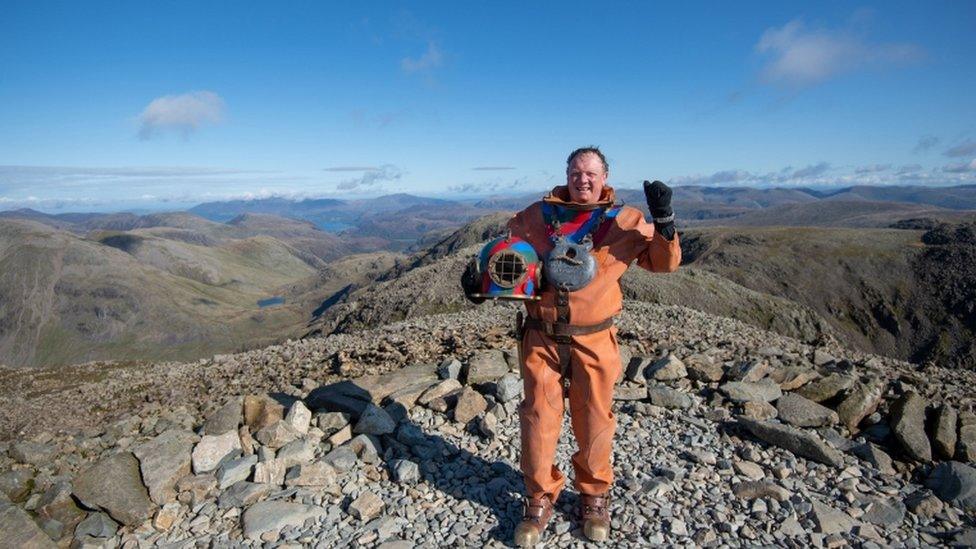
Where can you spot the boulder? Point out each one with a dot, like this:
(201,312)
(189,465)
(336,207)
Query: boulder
(299,417)
(405,471)
(167,516)
(342,396)
(16,484)
(374,421)
(743,391)
(97,525)
(261,411)
(330,422)
(450,368)
(243,494)
(317,473)
(486,366)
(826,388)
(470,404)
(885,512)
(32,453)
(407,396)
(341,459)
(57,505)
(235,470)
(163,461)
(829,520)
(944,436)
(211,451)
(874,455)
(801,412)
(277,434)
(749,371)
(295,452)
(907,422)
(759,410)
(862,400)
(955,483)
(367,448)
(114,485)
(270,472)
(792,378)
(272,516)
(439,391)
(226,418)
(508,387)
(629,391)
(669,368)
(801,443)
(755,489)
(702,367)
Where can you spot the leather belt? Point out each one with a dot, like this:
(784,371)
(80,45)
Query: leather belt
(559,329)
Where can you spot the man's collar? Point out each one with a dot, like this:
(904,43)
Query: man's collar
(559,196)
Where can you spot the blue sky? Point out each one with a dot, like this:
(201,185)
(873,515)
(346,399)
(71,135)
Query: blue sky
(109,105)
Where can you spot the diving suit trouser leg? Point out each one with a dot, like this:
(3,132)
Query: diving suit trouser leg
(541,415)
(595,364)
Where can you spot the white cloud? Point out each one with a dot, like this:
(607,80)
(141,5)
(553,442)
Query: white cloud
(431,59)
(965,167)
(798,57)
(386,172)
(823,175)
(873,168)
(184,113)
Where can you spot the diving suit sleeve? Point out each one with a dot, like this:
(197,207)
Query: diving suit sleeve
(652,250)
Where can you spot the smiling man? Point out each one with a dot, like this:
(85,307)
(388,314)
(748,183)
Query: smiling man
(568,343)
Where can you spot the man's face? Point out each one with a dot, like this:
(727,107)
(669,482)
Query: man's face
(585,178)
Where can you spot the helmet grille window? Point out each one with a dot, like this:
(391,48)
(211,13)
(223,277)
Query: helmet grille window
(506,268)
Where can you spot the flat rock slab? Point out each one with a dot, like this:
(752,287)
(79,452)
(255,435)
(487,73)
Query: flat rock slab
(163,461)
(861,402)
(18,530)
(826,388)
(743,391)
(380,386)
(802,412)
(114,484)
(666,397)
(629,391)
(211,451)
(485,366)
(831,521)
(244,493)
(270,516)
(799,442)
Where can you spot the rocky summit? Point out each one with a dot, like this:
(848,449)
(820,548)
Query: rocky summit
(407,435)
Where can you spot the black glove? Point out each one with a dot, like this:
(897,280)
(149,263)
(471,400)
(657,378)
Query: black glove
(658,197)
(471,281)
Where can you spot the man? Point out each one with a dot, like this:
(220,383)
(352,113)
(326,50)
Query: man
(569,335)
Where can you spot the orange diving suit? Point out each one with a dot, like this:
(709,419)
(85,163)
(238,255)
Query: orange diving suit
(570,334)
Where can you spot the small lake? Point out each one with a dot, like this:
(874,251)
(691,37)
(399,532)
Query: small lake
(277,300)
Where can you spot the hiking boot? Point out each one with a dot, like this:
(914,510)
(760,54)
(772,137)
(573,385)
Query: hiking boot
(537,513)
(595,516)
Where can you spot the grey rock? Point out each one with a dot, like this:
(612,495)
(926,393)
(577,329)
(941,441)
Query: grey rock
(18,530)
(271,471)
(469,405)
(742,391)
(163,461)
(367,448)
(874,455)
(667,397)
(296,452)
(450,368)
(243,494)
(406,397)
(793,377)
(271,516)
(508,387)
(317,473)
(366,507)
(114,485)
(954,483)
(907,422)
(211,451)
(342,459)
(861,402)
(439,391)
(884,512)
(226,418)
(759,410)
(234,471)
(755,489)
(299,417)
(374,421)
(16,484)
(750,371)
(488,425)
(703,368)
(822,358)
(629,391)
(378,387)
(799,442)
(331,422)
(826,388)
(801,412)
(829,520)
(924,504)
(485,367)
(669,368)
(276,435)
(97,525)
(57,505)
(405,471)
(32,453)
(944,438)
